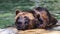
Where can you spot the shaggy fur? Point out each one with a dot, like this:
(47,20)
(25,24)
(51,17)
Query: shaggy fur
(37,18)
(25,20)
(45,18)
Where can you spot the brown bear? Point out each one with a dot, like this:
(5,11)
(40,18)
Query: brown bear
(25,20)
(37,18)
(45,18)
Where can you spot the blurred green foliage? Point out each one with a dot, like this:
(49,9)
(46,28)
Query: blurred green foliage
(8,7)
(11,5)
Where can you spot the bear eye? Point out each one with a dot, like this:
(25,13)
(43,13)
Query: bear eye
(26,19)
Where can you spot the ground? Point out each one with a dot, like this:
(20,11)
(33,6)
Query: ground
(13,30)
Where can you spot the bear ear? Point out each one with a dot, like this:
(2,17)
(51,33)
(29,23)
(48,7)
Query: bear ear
(17,11)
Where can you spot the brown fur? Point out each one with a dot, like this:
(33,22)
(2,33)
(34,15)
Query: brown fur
(53,22)
(32,21)
(45,16)
(38,18)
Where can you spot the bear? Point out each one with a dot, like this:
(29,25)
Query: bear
(25,20)
(38,17)
(45,18)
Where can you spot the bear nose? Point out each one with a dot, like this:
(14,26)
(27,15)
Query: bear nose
(19,23)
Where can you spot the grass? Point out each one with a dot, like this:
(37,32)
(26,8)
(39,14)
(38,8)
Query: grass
(6,19)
